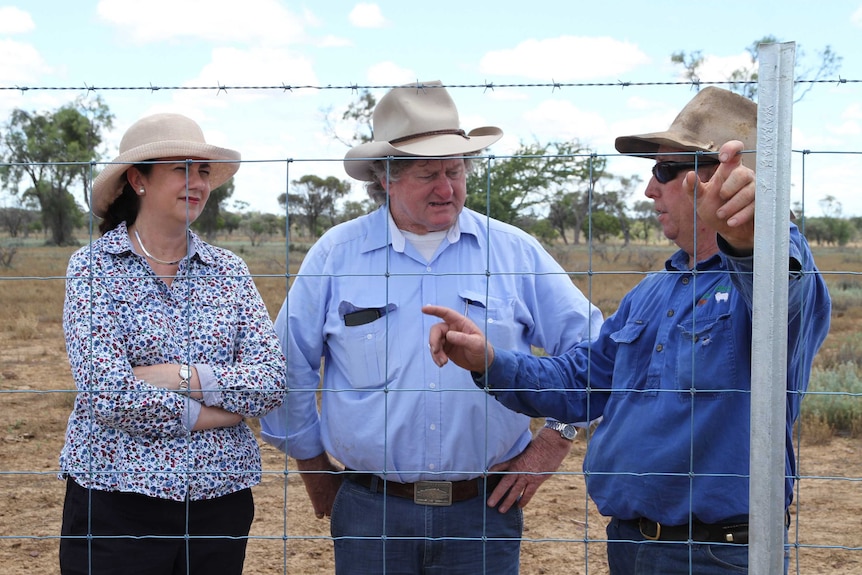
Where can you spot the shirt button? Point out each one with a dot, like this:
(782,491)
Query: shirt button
(369,336)
(428,269)
(433,427)
(431,466)
(670,313)
(432,385)
(685,280)
(659,347)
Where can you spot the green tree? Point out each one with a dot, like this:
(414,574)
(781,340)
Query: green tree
(531,180)
(258,226)
(354,209)
(613,202)
(602,226)
(52,152)
(212,218)
(356,119)
(744,80)
(645,218)
(316,197)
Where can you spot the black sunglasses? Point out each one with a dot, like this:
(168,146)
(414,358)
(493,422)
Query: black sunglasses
(666,172)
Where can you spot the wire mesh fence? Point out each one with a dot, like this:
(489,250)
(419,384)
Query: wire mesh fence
(562,527)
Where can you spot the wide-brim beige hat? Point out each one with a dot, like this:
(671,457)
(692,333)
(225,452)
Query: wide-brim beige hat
(714,116)
(160,136)
(416,120)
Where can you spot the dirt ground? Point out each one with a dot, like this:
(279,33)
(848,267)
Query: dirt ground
(563,532)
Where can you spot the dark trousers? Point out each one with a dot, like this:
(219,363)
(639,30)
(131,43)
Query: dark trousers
(108,532)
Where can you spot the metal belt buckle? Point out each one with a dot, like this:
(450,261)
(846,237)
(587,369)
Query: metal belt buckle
(432,493)
(650,536)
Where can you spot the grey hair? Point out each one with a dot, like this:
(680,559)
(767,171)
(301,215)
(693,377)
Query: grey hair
(393,170)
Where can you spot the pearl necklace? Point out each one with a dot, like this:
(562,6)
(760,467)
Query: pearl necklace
(154,258)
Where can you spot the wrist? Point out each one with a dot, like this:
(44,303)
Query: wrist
(186,373)
(566,430)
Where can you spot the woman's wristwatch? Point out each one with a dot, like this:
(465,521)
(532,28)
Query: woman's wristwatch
(185,376)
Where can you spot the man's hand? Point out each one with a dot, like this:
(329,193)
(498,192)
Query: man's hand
(726,202)
(459,339)
(321,487)
(528,470)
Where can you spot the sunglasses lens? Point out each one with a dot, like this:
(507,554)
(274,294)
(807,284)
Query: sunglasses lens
(664,172)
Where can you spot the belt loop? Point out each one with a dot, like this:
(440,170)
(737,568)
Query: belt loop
(375,482)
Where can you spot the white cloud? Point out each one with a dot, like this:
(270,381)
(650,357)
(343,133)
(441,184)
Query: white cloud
(719,68)
(856,18)
(257,21)
(508,95)
(256,67)
(330,41)
(565,59)
(562,120)
(367,16)
(853,112)
(851,122)
(390,74)
(14,20)
(20,63)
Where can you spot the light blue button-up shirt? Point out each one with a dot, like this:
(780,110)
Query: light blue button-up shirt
(386,406)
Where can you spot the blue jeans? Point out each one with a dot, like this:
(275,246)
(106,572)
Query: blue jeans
(629,553)
(379,534)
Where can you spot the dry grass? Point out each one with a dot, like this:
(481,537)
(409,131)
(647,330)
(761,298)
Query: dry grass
(36,397)
(31,298)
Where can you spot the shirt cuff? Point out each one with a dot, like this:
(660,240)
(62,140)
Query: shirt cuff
(504,369)
(209,385)
(191,412)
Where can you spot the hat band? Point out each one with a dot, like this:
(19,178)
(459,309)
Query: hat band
(403,139)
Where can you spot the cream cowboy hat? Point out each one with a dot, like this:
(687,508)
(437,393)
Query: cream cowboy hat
(416,120)
(714,116)
(154,137)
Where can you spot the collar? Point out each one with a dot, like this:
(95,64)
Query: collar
(117,242)
(398,240)
(679,262)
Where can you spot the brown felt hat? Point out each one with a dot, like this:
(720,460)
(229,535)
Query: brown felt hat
(416,120)
(155,137)
(714,116)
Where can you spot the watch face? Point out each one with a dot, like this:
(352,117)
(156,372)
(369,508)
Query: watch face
(569,432)
(185,371)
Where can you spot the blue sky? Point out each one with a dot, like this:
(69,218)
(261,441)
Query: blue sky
(206,43)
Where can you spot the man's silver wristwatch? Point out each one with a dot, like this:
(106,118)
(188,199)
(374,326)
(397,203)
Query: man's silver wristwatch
(567,430)
(185,376)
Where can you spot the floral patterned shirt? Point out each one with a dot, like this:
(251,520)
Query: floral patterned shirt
(127,435)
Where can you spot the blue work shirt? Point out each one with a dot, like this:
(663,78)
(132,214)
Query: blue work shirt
(670,373)
(386,406)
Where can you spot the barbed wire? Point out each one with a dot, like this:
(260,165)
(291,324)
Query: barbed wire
(219,87)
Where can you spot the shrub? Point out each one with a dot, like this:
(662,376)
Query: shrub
(834,397)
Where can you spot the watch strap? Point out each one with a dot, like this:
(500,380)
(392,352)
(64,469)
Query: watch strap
(566,430)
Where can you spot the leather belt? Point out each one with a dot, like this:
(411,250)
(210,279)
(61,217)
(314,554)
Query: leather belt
(697,531)
(439,493)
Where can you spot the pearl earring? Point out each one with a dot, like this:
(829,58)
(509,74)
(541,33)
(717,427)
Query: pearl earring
(142,191)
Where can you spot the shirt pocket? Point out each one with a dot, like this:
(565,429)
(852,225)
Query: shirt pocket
(215,315)
(140,320)
(631,362)
(369,341)
(495,316)
(706,358)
